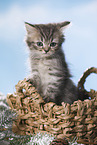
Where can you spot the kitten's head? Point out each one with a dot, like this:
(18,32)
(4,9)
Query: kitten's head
(45,38)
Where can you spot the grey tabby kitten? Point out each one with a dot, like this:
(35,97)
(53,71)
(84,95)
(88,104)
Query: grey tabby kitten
(49,71)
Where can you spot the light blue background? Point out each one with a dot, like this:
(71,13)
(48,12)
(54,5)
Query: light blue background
(80,46)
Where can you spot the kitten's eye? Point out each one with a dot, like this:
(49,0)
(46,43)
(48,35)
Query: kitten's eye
(39,44)
(53,44)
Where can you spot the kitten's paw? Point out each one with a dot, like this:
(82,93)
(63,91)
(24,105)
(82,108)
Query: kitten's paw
(30,81)
(49,98)
(46,99)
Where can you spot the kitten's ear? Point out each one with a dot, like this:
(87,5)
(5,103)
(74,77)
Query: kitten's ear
(64,25)
(30,28)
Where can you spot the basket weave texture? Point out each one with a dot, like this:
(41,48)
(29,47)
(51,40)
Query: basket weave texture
(34,115)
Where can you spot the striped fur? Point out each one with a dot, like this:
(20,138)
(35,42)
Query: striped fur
(49,70)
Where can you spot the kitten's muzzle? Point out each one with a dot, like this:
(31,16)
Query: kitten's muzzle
(46,50)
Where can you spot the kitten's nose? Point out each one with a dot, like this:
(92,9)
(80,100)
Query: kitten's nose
(46,50)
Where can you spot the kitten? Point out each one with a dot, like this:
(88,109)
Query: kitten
(49,71)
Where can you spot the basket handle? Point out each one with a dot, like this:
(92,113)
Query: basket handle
(83,94)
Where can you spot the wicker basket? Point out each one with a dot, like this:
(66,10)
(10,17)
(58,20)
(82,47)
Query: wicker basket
(34,115)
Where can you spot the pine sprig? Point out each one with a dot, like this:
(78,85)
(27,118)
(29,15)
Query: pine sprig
(6,118)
